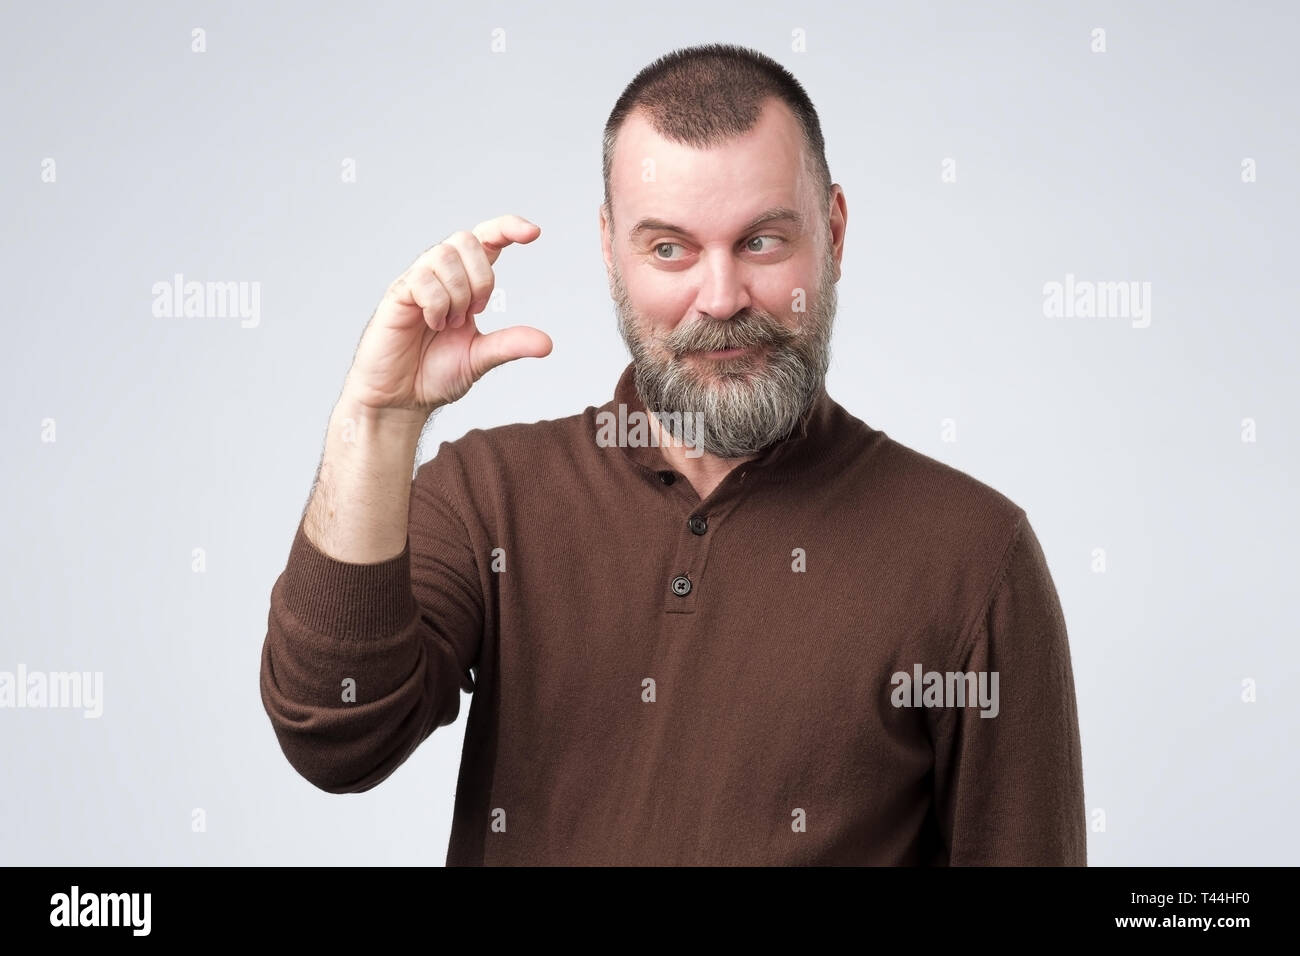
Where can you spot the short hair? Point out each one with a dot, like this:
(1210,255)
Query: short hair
(704,95)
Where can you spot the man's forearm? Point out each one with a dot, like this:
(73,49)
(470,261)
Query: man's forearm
(359,507)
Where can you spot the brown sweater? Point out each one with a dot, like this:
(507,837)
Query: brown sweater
(642,696)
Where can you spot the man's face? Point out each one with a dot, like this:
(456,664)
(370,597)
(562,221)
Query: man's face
(725,319)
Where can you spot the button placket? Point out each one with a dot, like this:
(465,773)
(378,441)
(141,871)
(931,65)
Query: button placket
(686,576)
(695,532)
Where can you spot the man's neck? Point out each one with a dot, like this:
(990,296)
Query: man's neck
(704,471)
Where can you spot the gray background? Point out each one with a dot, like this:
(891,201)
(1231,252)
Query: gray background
(180,433)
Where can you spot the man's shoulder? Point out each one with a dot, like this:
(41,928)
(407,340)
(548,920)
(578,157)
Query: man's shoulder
(925,500)
(526,448)
(938,483)
(938,526)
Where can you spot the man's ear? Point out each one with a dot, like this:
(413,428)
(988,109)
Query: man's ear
(606,250)
(606,246)
(839,224)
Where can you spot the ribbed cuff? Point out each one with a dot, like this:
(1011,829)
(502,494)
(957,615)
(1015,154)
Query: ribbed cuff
(346,600)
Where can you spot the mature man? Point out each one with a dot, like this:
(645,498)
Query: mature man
(746,628)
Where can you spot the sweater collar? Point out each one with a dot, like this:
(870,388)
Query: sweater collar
(809,441)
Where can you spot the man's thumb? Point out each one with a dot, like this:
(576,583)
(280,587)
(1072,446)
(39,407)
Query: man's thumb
(506,345)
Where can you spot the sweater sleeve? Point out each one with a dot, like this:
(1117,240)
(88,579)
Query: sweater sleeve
(1009,786)
(361,662)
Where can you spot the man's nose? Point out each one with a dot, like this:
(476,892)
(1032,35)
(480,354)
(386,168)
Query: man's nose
(723,286)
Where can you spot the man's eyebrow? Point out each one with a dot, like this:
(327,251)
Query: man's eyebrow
(776,214)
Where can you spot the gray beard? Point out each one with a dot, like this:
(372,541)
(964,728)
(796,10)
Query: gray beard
(732,408)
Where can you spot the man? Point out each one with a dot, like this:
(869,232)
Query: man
(746,629)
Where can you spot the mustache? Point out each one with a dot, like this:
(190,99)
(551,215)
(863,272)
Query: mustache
(745,329)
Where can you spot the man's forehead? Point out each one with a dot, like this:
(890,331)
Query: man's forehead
(784,215)
(730,184)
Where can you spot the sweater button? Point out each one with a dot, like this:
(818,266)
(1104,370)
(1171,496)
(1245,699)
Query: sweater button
(681,585)
(697,524)
(667,477)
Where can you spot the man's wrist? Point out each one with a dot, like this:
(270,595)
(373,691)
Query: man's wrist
(357,421)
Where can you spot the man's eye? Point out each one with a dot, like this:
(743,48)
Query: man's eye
(750,245)
(666,245)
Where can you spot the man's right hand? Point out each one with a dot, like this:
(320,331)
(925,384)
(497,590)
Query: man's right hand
(421,349)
